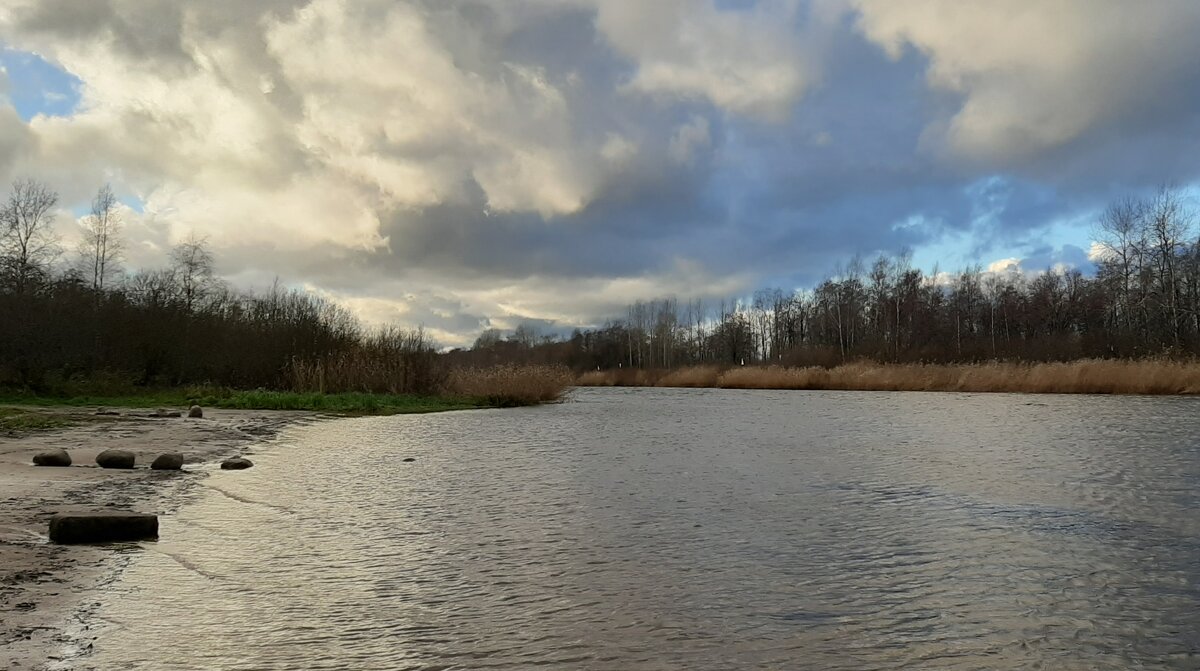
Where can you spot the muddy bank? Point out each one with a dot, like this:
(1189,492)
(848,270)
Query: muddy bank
(47,591)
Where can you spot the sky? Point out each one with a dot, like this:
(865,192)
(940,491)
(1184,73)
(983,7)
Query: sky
(471,164)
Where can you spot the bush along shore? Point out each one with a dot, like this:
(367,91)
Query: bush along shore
(1090,376)
(86,331)
(464,389)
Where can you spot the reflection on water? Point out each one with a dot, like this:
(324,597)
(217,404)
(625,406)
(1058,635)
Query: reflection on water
(671,529)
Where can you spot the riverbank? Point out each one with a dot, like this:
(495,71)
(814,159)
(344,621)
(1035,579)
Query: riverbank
(45,588)
(499,386)
(1089,376)
(345,403)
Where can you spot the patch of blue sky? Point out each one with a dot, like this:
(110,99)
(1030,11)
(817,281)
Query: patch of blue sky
(1008,219)
(133,202)
(1058,240)
(36,86)
(83,209)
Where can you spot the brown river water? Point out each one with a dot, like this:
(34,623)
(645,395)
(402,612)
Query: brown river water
(689,529)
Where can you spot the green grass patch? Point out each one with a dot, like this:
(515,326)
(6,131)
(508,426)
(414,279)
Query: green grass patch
(346,403)
(17,421)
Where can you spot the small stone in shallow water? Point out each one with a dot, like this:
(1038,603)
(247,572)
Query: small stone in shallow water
(195,412)
(115,459)
(102,527)
(236,464)
(168,461)
(52,458)
(409,459)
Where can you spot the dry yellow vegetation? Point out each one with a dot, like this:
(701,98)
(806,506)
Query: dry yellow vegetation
(1087,376)
(511,384)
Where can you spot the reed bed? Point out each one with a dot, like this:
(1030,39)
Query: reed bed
(368,372)
(1087,376)
(692,376)
(511,385)
(620,377)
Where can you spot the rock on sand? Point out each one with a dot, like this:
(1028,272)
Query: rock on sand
(102,527)
(115,459)
(52,458)
(168,461)
(236,464)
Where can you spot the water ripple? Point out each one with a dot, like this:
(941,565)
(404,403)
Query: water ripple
(674,529)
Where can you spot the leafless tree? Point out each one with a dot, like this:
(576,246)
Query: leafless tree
(28,245)
(192,263)
(100,249)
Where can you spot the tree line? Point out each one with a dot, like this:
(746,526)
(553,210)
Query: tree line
(78,317)
(1143,300)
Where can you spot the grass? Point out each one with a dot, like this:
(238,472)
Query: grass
(347,403)
(14,421)
(501,386)
(1087,376)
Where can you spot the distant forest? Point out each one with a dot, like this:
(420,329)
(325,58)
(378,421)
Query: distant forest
(1144,300)
(75,319)
(78,316)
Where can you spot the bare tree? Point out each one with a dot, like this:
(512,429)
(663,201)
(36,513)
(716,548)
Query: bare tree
(192,264)
(1169,226)
(100,250)
(526,334)
(28,245)
(488,339)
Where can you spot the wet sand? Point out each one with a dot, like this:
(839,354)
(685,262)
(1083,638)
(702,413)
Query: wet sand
(46,590)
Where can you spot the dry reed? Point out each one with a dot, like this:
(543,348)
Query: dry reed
(511,385)
(1087,376)
(368,372)
(692,376)
(619,377)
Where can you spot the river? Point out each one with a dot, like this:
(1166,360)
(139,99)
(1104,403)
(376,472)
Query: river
(689,529)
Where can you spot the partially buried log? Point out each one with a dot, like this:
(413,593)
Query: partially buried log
(236,464)
(70,528)
(169,461)
(52,458)
(115,459)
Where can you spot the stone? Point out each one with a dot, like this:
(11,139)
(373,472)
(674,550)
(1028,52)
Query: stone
(52,458)
(106,527)
(115,459)
(195,412)
(168,461)
(236,464)
(409,459)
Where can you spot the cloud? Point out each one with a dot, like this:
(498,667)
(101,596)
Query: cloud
(689,140)
(1099,251)
(1004,265)
(475,164)
(1036,76)
(747,61)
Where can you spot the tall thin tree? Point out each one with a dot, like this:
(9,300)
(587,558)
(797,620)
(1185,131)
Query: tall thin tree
(101,245)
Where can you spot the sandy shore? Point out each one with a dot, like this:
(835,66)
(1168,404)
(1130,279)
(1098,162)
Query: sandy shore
(46,590)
